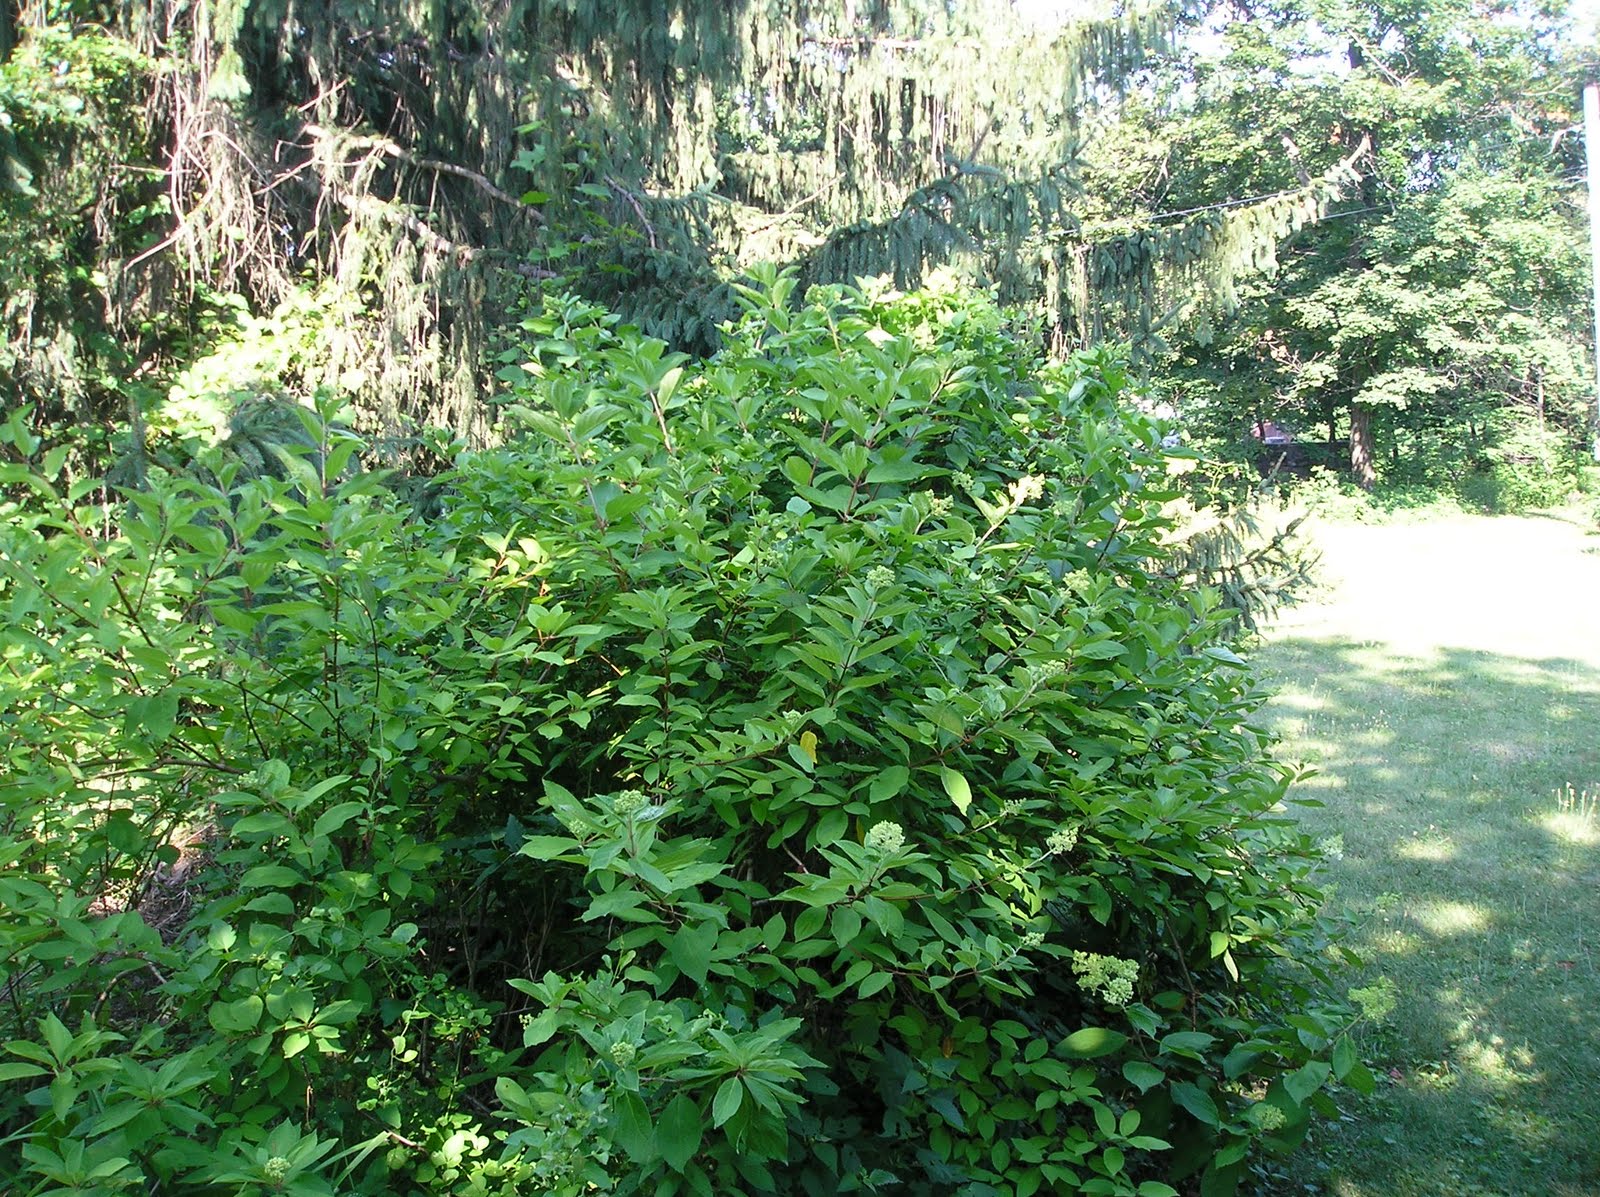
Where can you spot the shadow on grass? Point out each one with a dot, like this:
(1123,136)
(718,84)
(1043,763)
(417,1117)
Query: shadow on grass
(1469,886)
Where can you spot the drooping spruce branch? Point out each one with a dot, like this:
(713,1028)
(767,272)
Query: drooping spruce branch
(667,147)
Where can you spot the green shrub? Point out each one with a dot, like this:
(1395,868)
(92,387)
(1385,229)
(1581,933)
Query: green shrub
(790,773)
(1528,467)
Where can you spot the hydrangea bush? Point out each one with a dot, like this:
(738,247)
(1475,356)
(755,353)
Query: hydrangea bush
(792,772)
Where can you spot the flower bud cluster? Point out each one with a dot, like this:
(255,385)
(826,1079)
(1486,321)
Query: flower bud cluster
(629,803)
(1045,671)
(623,1053)
(1267,1117)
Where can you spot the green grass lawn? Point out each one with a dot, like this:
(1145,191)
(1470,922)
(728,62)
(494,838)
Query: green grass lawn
(1446,689)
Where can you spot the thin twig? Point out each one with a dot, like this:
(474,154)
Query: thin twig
(394,149)
(368,205)
(638,208)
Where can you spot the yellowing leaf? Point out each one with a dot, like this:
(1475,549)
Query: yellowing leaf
(956,786)
(808,741)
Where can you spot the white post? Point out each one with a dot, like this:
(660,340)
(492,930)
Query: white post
(1591,144)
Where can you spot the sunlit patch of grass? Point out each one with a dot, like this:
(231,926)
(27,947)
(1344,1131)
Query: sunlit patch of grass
(1498,1065)
(1576,818)
(1572,829)
(1444,691)
(1449,918)
(1433,847)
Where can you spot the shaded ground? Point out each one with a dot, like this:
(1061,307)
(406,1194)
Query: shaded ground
(1447,691)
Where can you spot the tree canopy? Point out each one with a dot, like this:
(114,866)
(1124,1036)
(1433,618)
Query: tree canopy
(1438,321)
(340,201)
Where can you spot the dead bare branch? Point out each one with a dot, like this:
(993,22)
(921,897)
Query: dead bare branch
(393,149)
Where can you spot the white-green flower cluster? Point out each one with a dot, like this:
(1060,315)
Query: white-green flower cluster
(1377,1001)
(1062,839)
(879,576)
(275,1169)
(1030,486)
(885,838)
(1109,977)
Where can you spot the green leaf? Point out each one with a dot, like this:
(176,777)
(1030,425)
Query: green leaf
(236,1018)
(153,717)
(904,470)
(634,1132)
(956,786)
(335,817)
(800,757)
(63,1095)
(679,1131)
(51,465)
(730,1095)
(270,877)
(547,847)
(1221,1182)
(809,922)
(1100,650)
(875,984)
(1344,1058)
(1142,1075)
(1091,1042)
(1197,1102)
(690,949)
(1306,1080)
(1360,1079)
(889,783)
(268,823)
(1239,1060)
(668,385)
(1187,1043)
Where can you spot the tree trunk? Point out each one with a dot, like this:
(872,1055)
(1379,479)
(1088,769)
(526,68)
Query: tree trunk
(1361,454)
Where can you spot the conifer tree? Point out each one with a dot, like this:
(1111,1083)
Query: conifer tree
(383,188)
